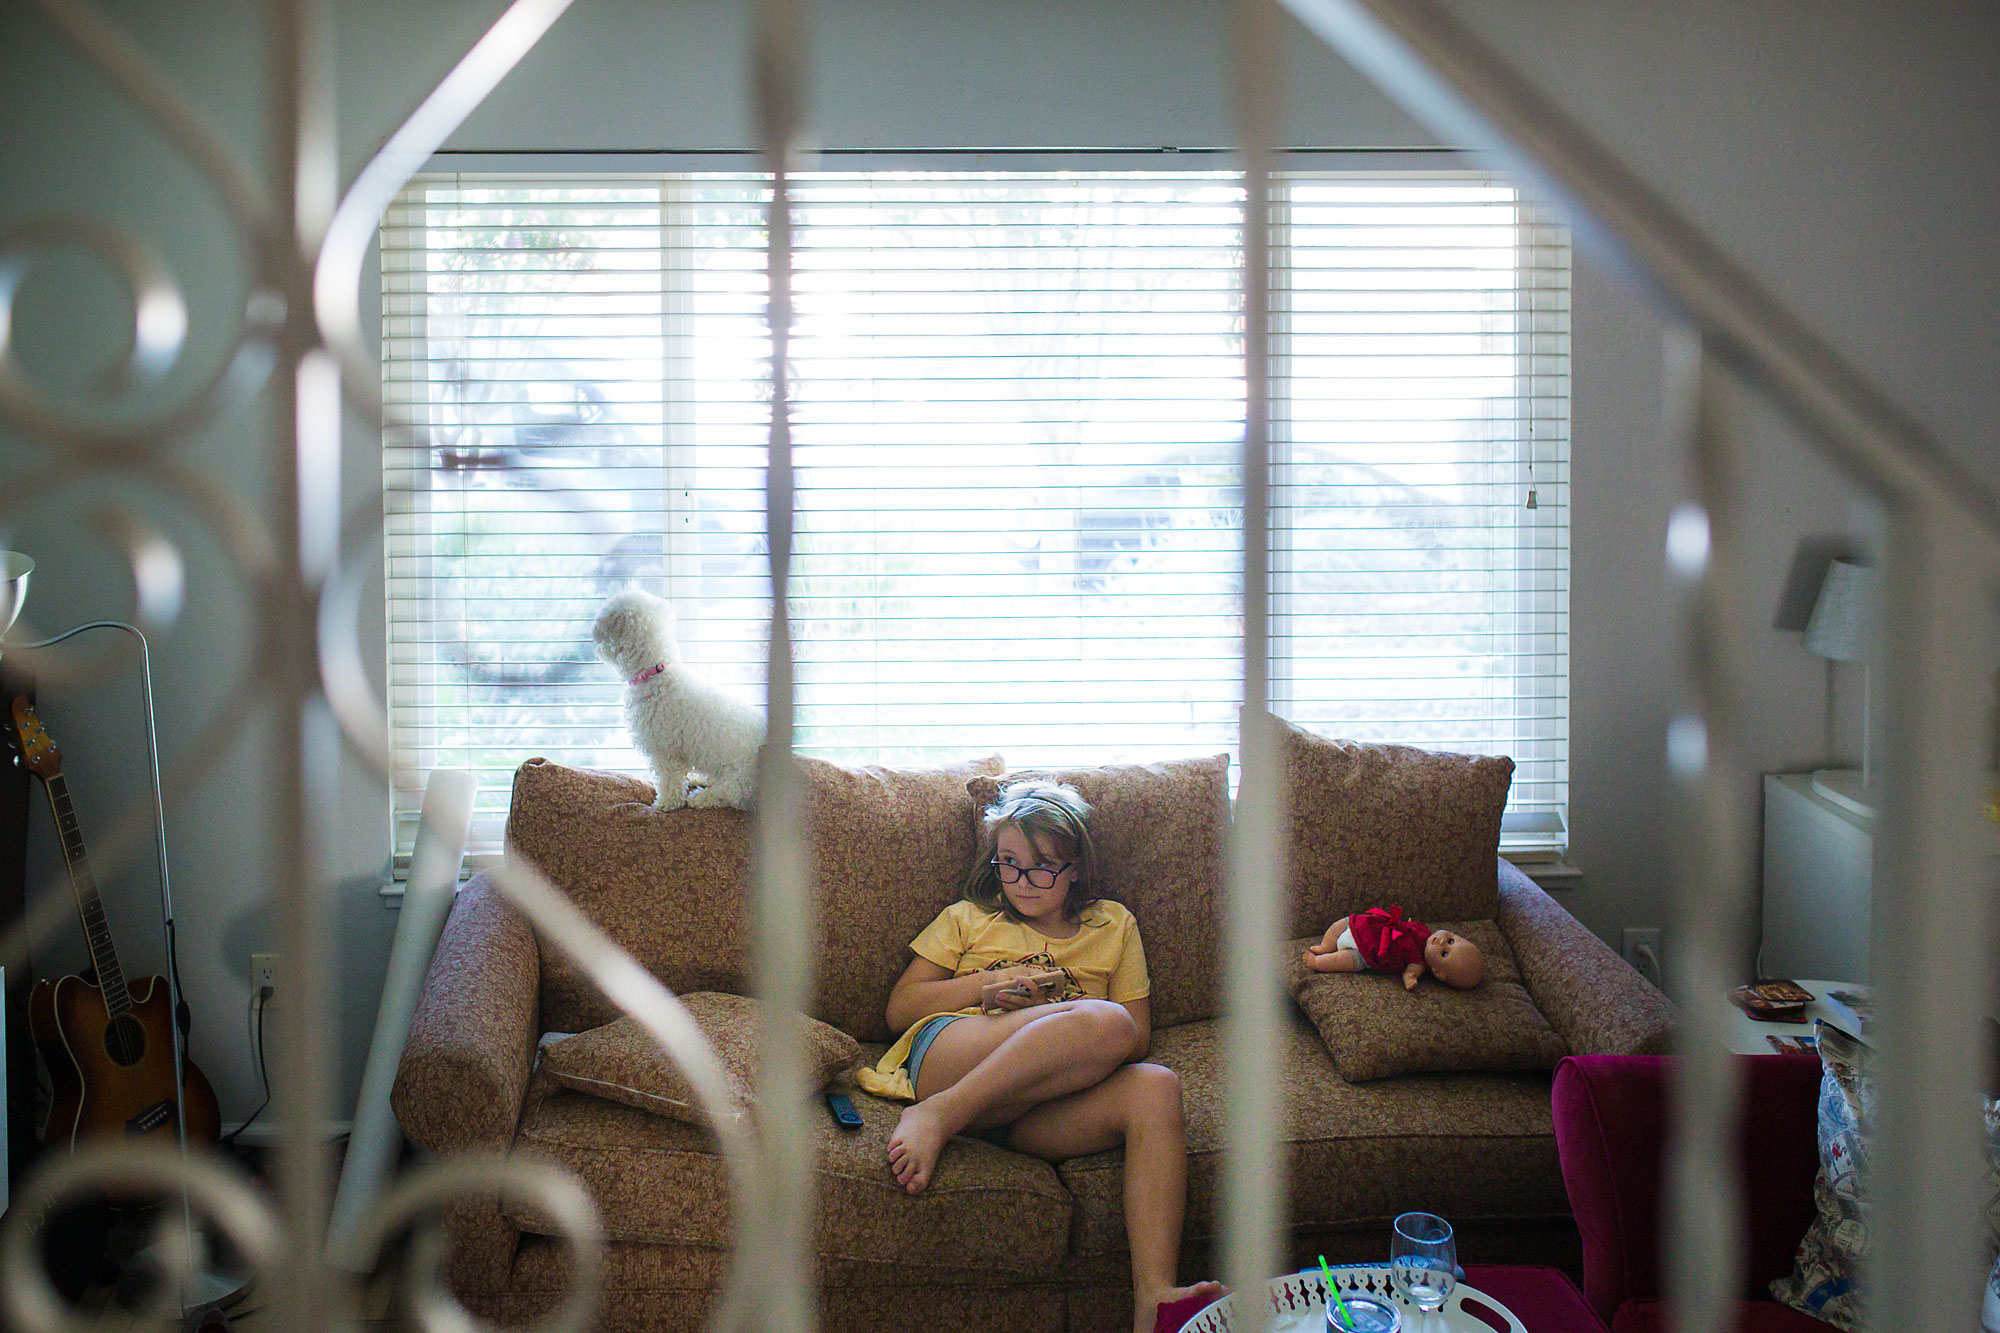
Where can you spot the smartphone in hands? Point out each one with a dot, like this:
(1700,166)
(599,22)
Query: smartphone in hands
(1047,985)
(1037,988)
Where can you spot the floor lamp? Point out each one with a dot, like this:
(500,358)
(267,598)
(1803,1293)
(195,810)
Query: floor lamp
(1841,630)
(14,571)
(201,1289)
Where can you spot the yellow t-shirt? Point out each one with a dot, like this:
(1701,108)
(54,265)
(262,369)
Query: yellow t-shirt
(1103,960)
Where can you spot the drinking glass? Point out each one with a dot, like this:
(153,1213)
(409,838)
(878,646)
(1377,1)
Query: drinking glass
(1423,1261)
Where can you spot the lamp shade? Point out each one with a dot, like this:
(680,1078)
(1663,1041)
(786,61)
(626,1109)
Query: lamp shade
(1843,618)
(14,571)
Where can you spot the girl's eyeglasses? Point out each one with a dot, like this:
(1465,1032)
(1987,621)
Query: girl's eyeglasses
(1040,877)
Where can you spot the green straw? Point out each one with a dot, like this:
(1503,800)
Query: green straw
(1339,1301)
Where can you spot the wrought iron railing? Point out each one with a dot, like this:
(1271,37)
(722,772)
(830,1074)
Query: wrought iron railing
(1933,877)
(299,342)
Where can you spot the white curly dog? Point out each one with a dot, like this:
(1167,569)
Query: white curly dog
(696,735)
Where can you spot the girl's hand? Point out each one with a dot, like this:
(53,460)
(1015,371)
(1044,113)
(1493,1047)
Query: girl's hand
(1015,988)
(1003,996)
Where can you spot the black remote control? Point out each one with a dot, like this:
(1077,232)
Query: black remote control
(843,1110)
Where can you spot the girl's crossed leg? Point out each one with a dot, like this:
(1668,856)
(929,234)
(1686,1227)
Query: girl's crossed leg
(987,1070)
(1056,1073)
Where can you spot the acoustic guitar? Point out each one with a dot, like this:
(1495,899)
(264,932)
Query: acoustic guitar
(109,1045)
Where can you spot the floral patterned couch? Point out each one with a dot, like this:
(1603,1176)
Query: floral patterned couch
(999,1240)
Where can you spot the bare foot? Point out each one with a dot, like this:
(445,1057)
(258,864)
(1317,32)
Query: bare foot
(1146,1304)
(914,1147)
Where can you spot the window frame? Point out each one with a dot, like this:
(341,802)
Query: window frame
(1538,841)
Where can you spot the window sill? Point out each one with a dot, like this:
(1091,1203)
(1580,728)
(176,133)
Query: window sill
(1549,872)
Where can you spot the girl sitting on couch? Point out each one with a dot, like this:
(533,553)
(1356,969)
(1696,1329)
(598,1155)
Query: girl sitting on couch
(1021,1016)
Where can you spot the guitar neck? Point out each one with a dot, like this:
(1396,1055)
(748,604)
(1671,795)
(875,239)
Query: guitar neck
(96,928)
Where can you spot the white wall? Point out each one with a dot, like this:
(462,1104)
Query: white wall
(1804,168)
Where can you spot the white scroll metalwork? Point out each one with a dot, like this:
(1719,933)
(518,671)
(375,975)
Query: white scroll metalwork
(218,1191)
(1253,1206)
(784,928)
(1712,898)
(1936,910)
(1434,65)
(633,989)
(554,1193)
(306,243)
(1934,916)
(300,328)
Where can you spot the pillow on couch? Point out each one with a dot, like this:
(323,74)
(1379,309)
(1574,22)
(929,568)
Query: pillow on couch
(1374,1028)
(622,1063)
(1823,1278)
(1161,832)
(1822,1281)
(889,848)
(1378,824)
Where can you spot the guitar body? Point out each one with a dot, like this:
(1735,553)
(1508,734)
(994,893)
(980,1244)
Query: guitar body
(109,1044)
(115,1078)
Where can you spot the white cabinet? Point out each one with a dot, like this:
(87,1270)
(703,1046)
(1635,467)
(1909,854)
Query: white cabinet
(1818,869)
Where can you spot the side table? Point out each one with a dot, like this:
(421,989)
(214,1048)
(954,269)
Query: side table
(1747,1035)
(1298,1305)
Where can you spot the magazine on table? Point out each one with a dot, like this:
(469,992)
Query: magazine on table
(1770,1000)
(1790,1045)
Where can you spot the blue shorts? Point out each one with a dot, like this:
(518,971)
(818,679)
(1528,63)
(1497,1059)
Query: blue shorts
(921,1042)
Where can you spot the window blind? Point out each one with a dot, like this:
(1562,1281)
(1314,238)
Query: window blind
(1017,415)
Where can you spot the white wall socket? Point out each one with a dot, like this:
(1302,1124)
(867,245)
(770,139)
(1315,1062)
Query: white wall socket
(1640,941)
(264,973)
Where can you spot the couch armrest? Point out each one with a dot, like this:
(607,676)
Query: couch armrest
(465,1066)
(1594,999)
(1611,1127)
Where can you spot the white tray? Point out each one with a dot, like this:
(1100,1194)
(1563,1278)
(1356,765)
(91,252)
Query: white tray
(1299,1305)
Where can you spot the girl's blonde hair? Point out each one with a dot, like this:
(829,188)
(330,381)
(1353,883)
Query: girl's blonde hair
(1052,816)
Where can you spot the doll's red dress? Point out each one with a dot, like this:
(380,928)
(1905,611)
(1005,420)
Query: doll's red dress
(1385,940)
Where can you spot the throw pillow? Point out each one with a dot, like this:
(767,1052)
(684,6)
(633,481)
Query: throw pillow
(1378,824)
(1160,832)
(890,847)
(1822,1281)
(1374,1028)
(622,1063)
(1823,1278)
(1989,1313)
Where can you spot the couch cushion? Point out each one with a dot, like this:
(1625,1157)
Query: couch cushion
(1373,825)
(661,1181)
(889,845)
(621,1062)
(1472,1147)
(1160,832)
(648,1288)
(1374,1028)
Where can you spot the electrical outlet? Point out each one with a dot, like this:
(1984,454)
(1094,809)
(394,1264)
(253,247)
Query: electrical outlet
(1642,950)
(264,974)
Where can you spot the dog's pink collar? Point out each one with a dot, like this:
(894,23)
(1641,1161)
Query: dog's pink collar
(647,674)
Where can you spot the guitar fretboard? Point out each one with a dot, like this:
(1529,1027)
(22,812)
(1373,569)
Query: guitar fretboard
(96,929)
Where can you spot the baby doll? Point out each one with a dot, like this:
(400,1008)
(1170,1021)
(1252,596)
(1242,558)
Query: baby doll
(1380,940)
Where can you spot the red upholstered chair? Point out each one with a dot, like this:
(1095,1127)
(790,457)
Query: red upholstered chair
(1610,1120)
